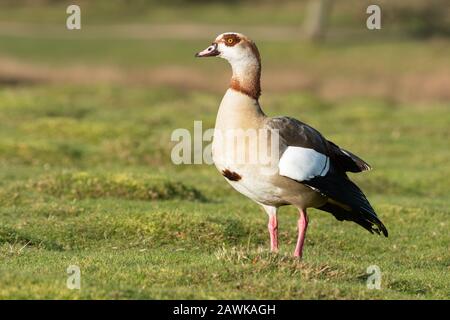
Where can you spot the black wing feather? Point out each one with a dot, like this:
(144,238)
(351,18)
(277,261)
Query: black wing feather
(335,184)
(348,161)
(341,214)
(341,189)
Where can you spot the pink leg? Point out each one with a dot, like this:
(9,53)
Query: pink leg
(302,226)
(273,231)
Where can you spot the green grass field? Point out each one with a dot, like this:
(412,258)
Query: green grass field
(86,177)
(87,180)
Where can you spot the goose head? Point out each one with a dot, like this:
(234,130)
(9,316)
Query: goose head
(244,58)
(232,46)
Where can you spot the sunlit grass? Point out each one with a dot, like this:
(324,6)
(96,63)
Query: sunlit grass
(86,179)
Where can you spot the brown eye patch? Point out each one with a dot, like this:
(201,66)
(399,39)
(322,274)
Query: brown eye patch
(231,39)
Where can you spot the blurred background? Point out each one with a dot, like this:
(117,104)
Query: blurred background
(85,172)
(322,47)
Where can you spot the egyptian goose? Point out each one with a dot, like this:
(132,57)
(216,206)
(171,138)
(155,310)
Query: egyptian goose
(309,171)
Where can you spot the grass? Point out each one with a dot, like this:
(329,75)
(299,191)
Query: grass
(86,179)
(381,57)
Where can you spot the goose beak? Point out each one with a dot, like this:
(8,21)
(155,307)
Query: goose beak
(211,51)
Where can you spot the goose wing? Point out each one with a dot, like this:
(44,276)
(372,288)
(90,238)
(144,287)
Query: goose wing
(310,159)
(296,133)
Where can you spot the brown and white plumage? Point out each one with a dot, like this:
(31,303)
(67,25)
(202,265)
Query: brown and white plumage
(310,170)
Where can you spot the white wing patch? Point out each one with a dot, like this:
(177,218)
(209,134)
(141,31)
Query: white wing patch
(303,163)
